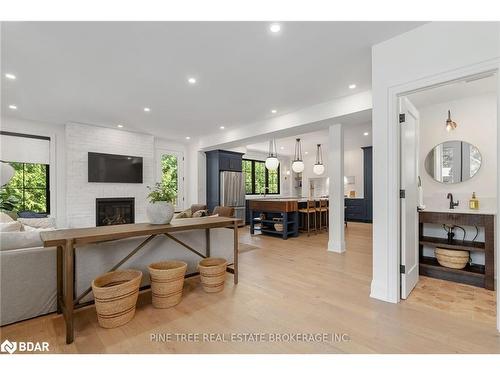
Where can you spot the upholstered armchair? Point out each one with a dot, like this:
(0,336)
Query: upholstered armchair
(223,211)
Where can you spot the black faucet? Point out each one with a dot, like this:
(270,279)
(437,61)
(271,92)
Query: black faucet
(452,204)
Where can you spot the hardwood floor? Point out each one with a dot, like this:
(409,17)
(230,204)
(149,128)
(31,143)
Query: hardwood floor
(293,286)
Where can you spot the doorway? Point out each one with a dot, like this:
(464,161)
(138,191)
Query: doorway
(448,189)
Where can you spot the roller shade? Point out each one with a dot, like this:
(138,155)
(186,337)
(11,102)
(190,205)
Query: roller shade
(24,149)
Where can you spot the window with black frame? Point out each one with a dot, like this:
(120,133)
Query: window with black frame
(260,180)
(30,185)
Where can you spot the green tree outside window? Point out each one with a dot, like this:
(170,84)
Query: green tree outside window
(258,178)
(169,169)
(30,185)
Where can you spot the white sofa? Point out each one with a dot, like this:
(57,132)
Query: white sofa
(28,276)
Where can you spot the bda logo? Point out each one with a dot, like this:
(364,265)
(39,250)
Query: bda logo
(24,346)
(8,346)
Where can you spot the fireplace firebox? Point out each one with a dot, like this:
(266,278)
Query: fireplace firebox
(114,211)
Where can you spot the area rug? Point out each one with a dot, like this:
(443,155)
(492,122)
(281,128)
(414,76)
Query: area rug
(245,247)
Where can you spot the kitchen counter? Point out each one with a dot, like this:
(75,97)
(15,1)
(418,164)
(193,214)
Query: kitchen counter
(274,211)
(274,199)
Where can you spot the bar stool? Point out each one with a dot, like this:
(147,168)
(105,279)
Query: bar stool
(322,214)
(305,214)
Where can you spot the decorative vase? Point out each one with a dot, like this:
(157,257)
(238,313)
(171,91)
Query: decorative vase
(160,212)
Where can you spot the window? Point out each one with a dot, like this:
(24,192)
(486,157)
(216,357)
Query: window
(260,180)
(30,185)
(170,172)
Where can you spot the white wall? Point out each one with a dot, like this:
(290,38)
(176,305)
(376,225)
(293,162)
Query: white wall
(57,159)
(433,53)
(477,124)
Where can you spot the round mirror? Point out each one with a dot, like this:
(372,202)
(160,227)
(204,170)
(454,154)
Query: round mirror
(453,162)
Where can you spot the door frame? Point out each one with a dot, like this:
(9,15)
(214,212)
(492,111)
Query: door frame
(180,173)
(394,93)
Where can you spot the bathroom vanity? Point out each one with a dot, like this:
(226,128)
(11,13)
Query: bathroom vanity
(472,274)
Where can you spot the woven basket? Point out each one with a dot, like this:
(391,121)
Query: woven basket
(115,296)
(213,274)
(167,281)
(457,259)
(278,224)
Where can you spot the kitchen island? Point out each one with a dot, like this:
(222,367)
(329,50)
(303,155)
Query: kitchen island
(275,211)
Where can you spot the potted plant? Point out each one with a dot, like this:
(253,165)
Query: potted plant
(160,209)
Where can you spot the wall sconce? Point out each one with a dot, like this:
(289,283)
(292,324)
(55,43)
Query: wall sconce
(450,125)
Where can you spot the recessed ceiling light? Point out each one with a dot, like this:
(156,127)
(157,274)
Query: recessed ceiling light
(119,126)
(13,107)
(274,111)
(352,86)
(147,109)
(192,80)
(275,28)
(282,148)
(188,138)
(366,133)
(306,152)
(221,127)
(10,76)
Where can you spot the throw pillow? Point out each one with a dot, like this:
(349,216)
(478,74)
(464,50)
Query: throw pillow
(184,214)
(14,226)
(200,213)
(4,218)
(45,222)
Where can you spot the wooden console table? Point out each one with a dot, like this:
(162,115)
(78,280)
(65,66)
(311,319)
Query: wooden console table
(67,239)
(472,274)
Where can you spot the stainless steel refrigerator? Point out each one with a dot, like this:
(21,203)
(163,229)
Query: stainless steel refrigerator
(232,192)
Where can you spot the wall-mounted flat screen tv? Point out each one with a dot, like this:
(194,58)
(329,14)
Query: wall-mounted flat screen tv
(115,168)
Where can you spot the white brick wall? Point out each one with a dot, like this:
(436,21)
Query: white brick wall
(80,194)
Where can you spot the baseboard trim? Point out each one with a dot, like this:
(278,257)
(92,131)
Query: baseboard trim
(336,247)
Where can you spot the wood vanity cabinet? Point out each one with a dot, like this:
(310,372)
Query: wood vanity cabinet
(472,274)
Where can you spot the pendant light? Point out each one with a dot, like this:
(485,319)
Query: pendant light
(298,164)
(318,168)
(272,162)
(450,125)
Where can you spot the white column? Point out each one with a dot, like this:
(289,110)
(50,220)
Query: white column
(336,242)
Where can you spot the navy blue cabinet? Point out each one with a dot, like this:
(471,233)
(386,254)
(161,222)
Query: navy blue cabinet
(361,209)
(217,161)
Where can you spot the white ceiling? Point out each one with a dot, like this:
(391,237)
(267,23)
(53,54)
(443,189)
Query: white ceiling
(472,86)
(353,134)
(105,73)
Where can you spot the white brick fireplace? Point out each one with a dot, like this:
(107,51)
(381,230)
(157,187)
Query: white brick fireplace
(80,194)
